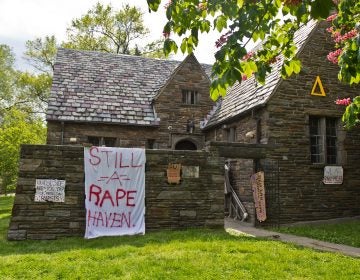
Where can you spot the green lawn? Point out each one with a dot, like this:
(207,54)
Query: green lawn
(347,233)
(190,254)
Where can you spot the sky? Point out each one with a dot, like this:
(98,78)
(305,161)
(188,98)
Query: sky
(22,20)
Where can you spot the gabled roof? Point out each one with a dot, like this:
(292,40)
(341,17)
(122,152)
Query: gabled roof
(92,86)
(205,68)
(248,94)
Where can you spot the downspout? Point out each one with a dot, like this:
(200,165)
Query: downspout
(62,133)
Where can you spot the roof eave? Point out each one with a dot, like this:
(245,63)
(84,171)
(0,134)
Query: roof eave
(102,122)
(233,118)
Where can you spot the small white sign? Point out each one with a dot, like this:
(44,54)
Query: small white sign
(50,190)
(333,175)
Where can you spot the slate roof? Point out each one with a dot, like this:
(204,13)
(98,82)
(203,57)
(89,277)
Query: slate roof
(92,86)
(243,97)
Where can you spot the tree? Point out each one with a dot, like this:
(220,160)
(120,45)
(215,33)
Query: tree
(21,90)
(7,77)
(17,127)
(104,29)
(40,53)
(345,31)
(21,97)
(272,21)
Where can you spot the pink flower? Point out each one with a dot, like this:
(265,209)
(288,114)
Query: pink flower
(332,17)
(343,102)
(222,40)
(330,29)
(346,36)
(167,5)
(166,35)
(248,55)
(334,56)
(202,6)
(243,77)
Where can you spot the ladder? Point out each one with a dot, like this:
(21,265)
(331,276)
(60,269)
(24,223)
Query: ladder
(237,209)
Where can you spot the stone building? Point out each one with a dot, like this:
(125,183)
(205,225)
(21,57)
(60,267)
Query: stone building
(300,124)
(120,100)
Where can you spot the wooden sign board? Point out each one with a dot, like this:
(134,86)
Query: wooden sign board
(258,188)
(173,173)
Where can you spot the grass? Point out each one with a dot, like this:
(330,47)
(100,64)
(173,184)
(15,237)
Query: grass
(188,254)
(343,233)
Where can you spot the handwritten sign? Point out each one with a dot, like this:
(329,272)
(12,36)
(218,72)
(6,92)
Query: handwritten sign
(258,188)
(49,190)
(333,175)
(190,171)
(115,191)
(173,173)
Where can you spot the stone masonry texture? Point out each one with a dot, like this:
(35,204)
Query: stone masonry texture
(195,202)
(284,127)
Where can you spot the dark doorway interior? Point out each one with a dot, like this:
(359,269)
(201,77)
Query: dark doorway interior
(185,145)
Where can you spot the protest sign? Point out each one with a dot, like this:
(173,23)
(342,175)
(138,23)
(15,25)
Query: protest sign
(258,188)
(49,190)
(115,191)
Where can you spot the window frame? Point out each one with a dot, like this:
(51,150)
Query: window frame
(324,144)
(102,140)
(190,97)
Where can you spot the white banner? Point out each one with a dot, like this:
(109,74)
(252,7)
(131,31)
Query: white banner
(115,191)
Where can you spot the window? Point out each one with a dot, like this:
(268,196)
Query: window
(231,134)
(109,141)
(93,140)
(102,141)
(150,143)
(323,140)
(190,97)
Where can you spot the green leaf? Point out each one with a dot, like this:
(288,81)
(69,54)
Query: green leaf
(220,23)
(296,65)
(321,8)
(153,4)
(216,90)
(183,45)
(169,12)
(170,46)
(354,46)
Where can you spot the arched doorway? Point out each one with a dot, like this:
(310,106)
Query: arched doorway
(185,145)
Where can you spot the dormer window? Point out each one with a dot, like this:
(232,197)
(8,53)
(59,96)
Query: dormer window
(190,97)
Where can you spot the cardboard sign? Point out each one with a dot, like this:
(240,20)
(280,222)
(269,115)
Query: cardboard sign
(173,173)
(333,175)
(115,191)
(49,190)
(258,188)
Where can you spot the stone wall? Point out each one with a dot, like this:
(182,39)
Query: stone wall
(127,136)
(195,202)
(303,196)
(173,114)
